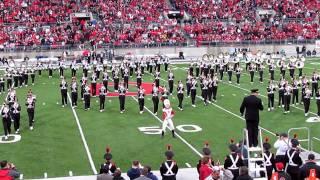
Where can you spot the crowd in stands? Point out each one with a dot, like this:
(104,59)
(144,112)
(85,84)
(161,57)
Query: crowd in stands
(52,23)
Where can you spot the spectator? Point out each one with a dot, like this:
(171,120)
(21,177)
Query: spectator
(280,174)
(104,174)
(243,174)
(150,174)
(144,173)
(135,170)
(8,171)
(117,175)
(309,166)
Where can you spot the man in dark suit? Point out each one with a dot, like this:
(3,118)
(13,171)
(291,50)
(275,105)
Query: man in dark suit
(251,106)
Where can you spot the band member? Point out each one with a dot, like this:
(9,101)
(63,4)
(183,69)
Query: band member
(9,79)
(116,80)
(15,78)
(122,97)
(50,69)
(170,81)
(233,161)
(304,83)
(197,69)
(142,66)
(295,92)
(169,168)
(164,94)
(139,78)
(61,68)
(272,67)
(74,68)
(31,100)
(6,121)
(306,100)
(25,77)
(2,84)
(238,73)
(167,115)
(260,69)
(190,72)
(102,97)
(155,98)
(314,84)
(83,82)
(126,78)
(152,65)
(221,69)
(33,75)
(166,63)
(318,102)
(74,92)
(215,82)
(15,109)
(108,164)
(20,75)
(282,69)
(180,94)
(291,68)
(85,68)
(268,159)
(105,79)
(251,71)
(230,70)
(140,95)
(64,91)
(287,97)
(281,92)
(293,160)
(157,79)
(39,67)
(87,97)
(204,88)
(193,91)
(98,70)
(94,84)
(11,97)
(270,91)
(131,68)
(188,84)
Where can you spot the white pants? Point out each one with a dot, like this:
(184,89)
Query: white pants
(167,122)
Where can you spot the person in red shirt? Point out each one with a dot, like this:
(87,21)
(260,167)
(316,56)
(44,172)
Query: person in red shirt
(205,169)
(8,171)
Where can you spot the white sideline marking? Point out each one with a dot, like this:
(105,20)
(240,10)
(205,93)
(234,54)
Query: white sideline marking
(94,170)
(188,165)
(177,135)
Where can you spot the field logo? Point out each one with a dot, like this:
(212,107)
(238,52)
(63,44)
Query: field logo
(154,130)
(313,119)
(12,138)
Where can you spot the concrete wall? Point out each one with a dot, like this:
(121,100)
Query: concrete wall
(188,51)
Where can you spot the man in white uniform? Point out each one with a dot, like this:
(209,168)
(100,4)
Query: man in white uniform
(167,115)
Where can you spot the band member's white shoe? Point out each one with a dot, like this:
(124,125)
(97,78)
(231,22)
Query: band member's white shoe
(268,109)
(6,138)
(306,114)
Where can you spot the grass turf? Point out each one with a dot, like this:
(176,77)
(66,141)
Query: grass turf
(55,145)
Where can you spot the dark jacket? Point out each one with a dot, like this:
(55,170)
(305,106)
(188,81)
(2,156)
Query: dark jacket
(251,105)
(305,170)
(244,177)
(152,176)
(134,173)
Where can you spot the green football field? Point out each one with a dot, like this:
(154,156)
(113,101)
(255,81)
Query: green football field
(56,145)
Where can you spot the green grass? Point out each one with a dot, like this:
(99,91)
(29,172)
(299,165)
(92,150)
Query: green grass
(55,146)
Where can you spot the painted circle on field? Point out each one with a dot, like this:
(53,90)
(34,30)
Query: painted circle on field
(12,138)
(313,119)
(189,128)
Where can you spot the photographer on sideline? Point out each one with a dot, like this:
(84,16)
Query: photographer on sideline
(8,171)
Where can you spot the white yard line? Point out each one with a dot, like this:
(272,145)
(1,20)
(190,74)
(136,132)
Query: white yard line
(177,135)
(188,165)
(94,170)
